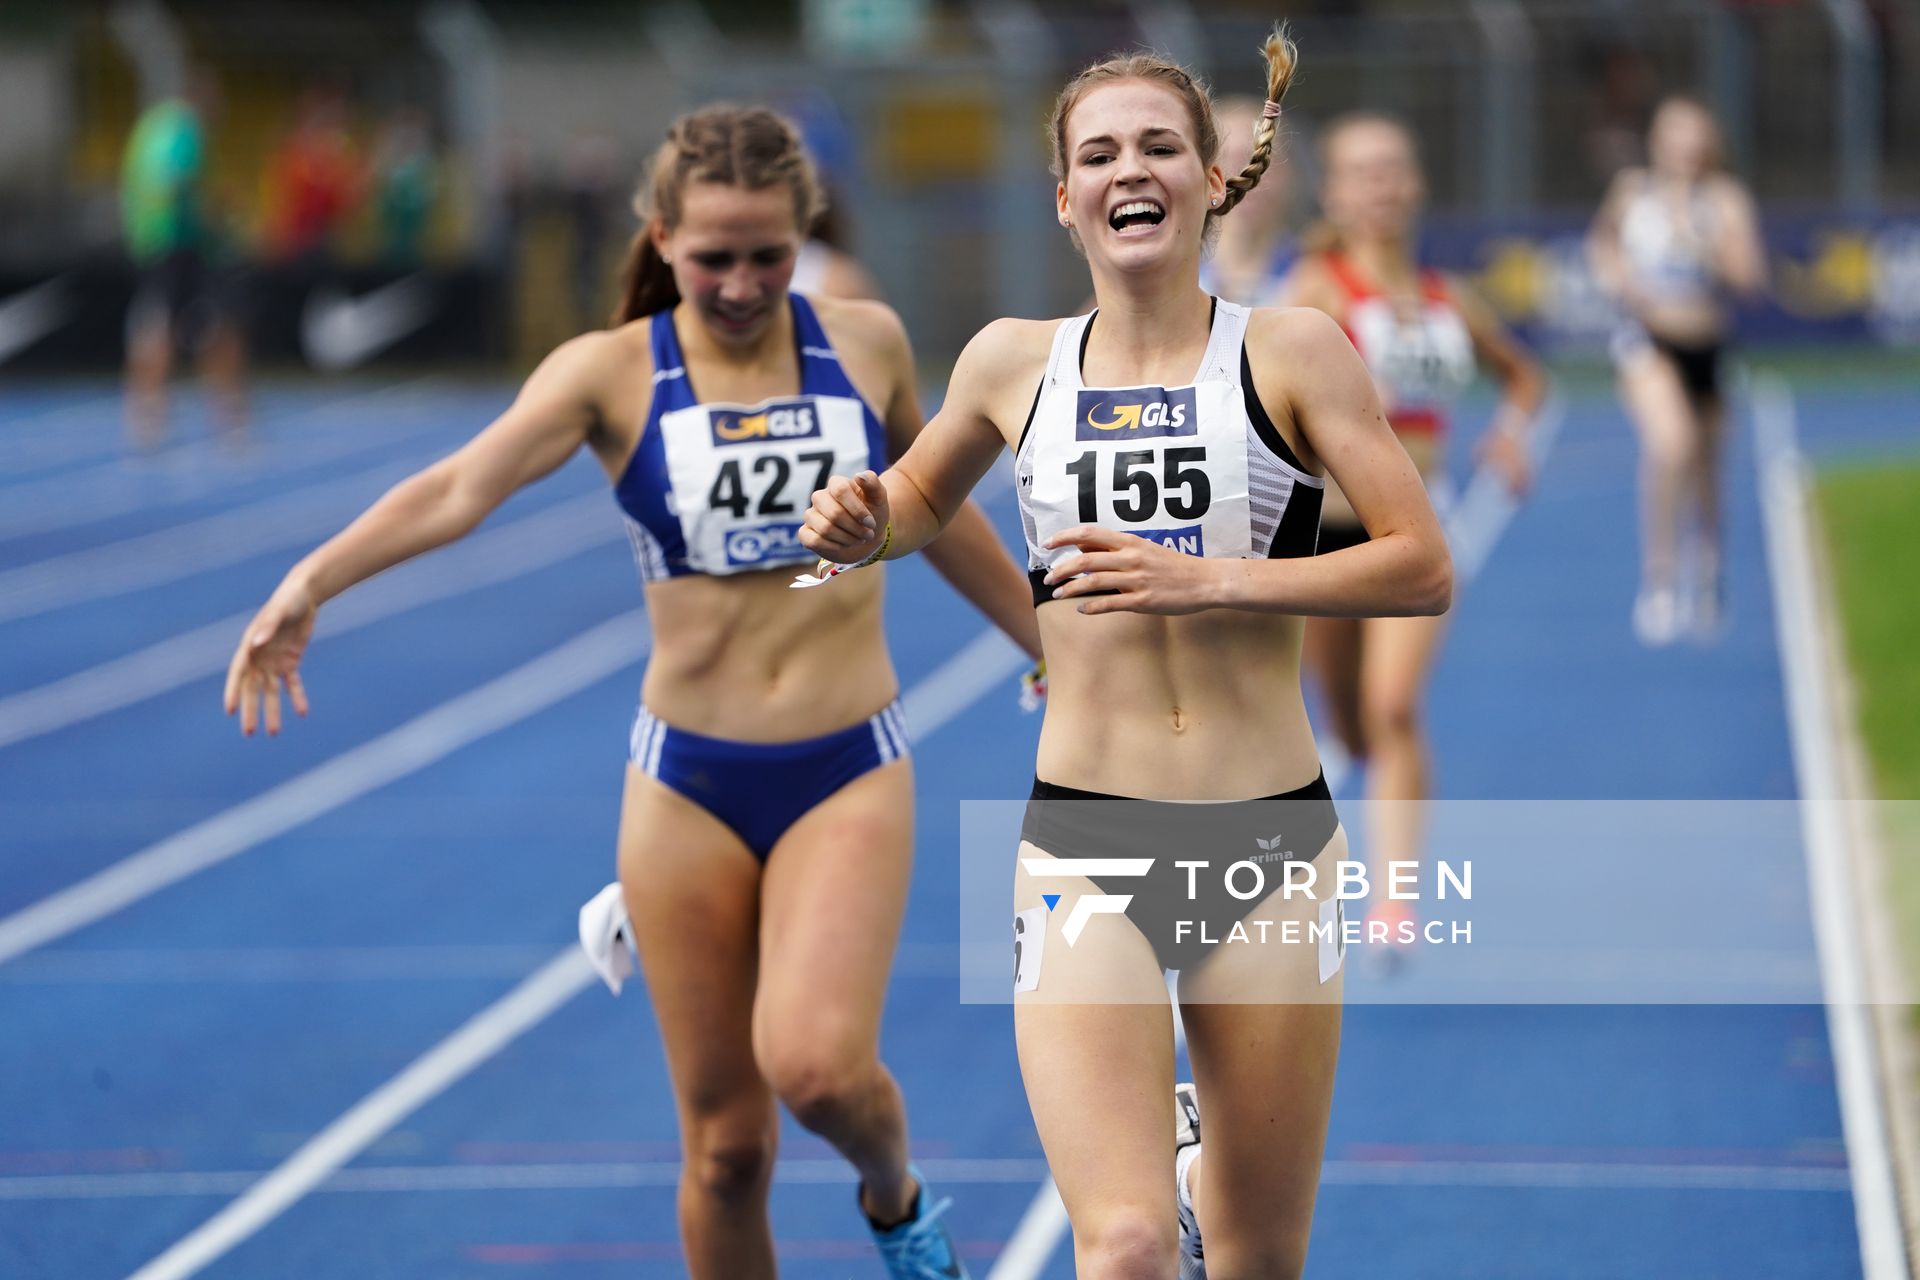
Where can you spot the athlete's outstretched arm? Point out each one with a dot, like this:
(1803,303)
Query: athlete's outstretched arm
(1304,364)
(967,553)
(1504,445)
(549,419)
(898,513)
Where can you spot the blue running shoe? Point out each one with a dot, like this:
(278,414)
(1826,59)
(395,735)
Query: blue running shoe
(919,1248)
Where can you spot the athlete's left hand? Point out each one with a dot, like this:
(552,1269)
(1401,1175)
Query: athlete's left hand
(1506,453)
(1145,576)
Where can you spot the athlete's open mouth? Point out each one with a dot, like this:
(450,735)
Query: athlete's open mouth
(1136,213)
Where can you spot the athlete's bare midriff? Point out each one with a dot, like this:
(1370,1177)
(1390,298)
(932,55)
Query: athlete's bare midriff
(1687,322)
(743,656)
(1203,706)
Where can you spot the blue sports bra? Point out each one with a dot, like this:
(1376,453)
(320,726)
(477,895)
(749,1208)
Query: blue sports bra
(722,488)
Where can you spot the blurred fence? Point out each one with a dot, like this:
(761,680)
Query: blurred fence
(928,116)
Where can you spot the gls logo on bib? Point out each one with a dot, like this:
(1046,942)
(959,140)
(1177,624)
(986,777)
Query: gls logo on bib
(790,420)
(767,543)
(1138,413)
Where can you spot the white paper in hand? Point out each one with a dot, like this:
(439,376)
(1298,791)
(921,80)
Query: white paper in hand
(606,935)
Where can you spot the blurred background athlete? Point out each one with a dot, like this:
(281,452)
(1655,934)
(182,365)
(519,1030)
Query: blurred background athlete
(1675,244)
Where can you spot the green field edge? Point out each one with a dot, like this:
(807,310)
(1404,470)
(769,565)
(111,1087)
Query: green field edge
(1870,517)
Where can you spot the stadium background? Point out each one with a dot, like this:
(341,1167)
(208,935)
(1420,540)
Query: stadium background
(924,117)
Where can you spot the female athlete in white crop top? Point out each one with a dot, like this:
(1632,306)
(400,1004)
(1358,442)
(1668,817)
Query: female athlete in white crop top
(1674,243)
(1160,512)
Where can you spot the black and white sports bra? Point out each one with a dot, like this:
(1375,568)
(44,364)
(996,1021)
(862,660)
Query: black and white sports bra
(1199,468)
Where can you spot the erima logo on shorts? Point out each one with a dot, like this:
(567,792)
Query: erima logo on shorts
(1187,539)
(1138,413)
(765,542)
(794,420)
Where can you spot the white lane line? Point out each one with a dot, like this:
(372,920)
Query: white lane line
(1038,1234)
(574,666)
(1480,518)
(960,681)
(1797,608)
(614,1175)
(486,1034)
(135,484)
(1474,526)
(167,555)
(491,1030)
(484,559)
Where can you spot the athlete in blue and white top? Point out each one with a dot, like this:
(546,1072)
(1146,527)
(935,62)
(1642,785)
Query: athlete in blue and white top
(1161,517)
(718,489)
(766,834)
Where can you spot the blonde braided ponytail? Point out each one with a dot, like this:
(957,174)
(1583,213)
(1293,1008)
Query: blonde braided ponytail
(1282,58)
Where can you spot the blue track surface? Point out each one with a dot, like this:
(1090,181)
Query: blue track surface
(152,1064)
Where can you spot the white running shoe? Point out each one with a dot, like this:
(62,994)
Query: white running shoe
(1656,617)
(1186,1147)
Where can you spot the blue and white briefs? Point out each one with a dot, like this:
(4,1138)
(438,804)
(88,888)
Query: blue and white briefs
(760,789)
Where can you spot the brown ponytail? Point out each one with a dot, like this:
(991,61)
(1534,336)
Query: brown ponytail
(749,147)
(646,281)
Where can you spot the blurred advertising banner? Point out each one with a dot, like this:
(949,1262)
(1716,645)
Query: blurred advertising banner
(1833,280)
(325,319)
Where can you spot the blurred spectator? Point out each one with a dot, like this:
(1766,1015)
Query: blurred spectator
(405,184)
(315,179)
(187,290)
(1623,96)
(591,193)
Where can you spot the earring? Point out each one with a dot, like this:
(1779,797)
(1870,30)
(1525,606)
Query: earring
(1216,202)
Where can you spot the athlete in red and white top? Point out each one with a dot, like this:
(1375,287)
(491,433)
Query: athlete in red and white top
(1423,336)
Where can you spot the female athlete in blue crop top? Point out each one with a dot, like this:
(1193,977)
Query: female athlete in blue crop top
(766,832)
